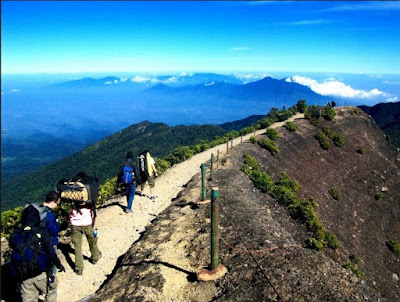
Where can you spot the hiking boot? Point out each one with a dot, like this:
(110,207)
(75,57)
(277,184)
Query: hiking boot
(78,271)
(128,211)
(95,261)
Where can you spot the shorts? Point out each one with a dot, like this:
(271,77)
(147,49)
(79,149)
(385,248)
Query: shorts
(151,182)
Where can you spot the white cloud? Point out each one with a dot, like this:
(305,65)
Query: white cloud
(116,81)
(246,78)
(108,83)
(367,6)
(209,84)
(123,79)
(391,82)
(171,80)
(340,89)
(15,90)
(306,22)
(141,79)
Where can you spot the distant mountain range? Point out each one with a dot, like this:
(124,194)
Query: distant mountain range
(387,116)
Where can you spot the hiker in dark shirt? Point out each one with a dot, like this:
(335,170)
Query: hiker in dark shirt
(129,176)
(51,203)
(36,277)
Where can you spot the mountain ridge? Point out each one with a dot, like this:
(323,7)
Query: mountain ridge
(177,243)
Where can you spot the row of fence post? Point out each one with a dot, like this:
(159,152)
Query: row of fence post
(217,270)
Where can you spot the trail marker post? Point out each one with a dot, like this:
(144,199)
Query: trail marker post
(227,147)
(212,166)
(203,182)
(214,228)
(218,159)
(217,270)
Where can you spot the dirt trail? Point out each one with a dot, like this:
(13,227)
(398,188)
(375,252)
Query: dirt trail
(118,230)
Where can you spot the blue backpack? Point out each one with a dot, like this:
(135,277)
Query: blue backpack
(28,258)
(127,175)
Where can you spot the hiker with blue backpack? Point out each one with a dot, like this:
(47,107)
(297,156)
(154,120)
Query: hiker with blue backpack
(33,257)
(129,176)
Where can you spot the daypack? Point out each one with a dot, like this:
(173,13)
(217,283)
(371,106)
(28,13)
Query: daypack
(79,188)
(43,210)
(128,176)
(28,258)
(144,165)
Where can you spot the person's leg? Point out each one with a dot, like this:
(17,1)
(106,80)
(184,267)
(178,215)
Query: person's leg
(94,250)
(142,185)
(29,291)
(76,238)
(127,189)
(151,185)
(131,196)
(49,289)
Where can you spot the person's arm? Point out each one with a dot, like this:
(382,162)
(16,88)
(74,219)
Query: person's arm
(52,226)
(153,165)
(49,250)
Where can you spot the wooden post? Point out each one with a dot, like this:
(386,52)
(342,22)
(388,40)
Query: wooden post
(212,166)
(217,270)
(203,182)
(218,159)
(214,228)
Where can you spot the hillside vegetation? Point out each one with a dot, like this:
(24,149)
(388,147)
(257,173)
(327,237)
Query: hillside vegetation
(279,213)
(103,158)
(387,116)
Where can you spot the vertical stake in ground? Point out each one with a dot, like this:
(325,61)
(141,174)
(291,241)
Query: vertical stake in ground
(227,147)
(217,159)
(214,228)
(203,182)
(232,143)
(212,166)
(217,270)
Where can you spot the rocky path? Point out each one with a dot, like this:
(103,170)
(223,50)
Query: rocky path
(119,230)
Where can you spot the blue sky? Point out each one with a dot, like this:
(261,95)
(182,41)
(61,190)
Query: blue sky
(200,36)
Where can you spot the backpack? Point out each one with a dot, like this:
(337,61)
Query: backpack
(128,177)
(28,258)
(79,188)
(144,165)
(42,212)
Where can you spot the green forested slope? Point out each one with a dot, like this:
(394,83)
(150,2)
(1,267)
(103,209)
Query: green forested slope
(387,116)
(103,158)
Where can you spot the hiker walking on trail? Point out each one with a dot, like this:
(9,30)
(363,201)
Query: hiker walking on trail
(48,216)
(32,258)
(82,219)
(129,176)
(148,171)
(51,202)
